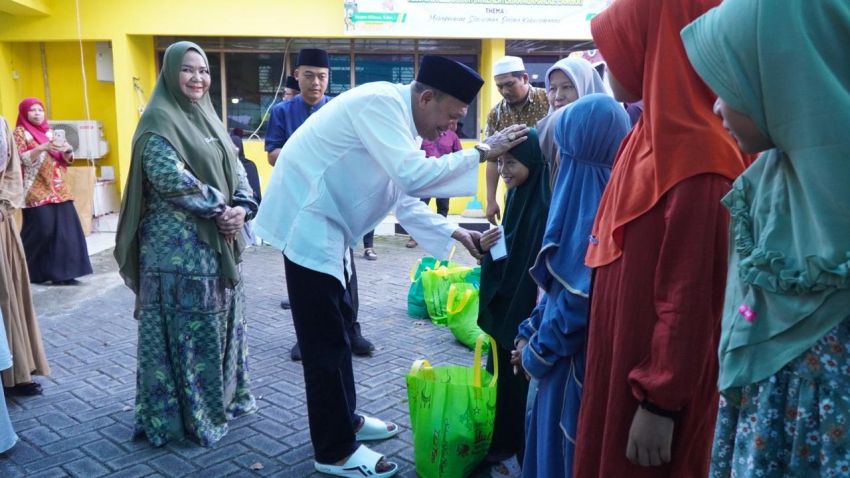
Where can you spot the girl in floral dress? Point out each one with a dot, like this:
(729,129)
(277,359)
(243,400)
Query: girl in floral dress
(781,73)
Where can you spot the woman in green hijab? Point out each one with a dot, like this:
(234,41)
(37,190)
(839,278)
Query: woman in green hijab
(508,293)
(781,73)
(178,248)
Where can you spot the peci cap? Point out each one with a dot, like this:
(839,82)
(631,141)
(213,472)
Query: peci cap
(292,83)
(313,57)
(508,64)
(450,77)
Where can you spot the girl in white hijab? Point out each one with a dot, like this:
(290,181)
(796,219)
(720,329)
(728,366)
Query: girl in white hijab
(566,81)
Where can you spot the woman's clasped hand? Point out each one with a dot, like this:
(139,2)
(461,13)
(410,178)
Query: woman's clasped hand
(230,222)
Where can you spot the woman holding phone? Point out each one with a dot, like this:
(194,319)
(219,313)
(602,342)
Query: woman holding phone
(52,235)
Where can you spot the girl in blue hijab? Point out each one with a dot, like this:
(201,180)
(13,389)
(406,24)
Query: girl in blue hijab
(551,343)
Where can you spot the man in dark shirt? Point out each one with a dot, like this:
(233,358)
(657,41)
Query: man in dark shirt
(288,115)
(312,72)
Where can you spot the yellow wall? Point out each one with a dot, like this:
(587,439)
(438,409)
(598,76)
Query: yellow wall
(66,90)
(105,19)
(21,76)
(131,27)
(135,76)
(24,77)
(8,106)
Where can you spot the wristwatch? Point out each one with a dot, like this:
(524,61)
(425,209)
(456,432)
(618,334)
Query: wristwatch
(483,151)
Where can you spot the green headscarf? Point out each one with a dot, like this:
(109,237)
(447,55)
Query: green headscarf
(197,134)
(508,293)
(781,63)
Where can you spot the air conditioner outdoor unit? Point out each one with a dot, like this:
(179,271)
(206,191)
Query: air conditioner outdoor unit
(85,136)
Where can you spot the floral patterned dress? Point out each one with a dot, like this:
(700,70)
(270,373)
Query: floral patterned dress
(192,352)
(44,176)
(795,422)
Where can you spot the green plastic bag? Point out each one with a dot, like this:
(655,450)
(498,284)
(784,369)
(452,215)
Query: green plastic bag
(435,289)
(462,314)
(452,410)
(415,300)
(474,277)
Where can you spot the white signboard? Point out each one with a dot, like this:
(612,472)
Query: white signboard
(527,19)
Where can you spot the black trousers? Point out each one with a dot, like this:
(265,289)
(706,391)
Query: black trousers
(442,205)
(369,239)
(354,327)
(511,394)
(323,312)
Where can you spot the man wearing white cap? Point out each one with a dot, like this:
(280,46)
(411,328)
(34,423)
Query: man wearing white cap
(521,104)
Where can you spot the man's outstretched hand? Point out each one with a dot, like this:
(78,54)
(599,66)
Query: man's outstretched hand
(469,239)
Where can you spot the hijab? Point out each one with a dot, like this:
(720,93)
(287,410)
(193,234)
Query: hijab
(196,133)
(507,292)
(11,178)
(587,81)
(678,136)
(588,136)
(38,131)
(581,73)
(790,221)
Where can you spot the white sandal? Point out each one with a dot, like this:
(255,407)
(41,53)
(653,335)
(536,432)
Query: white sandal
(360,464)
(511,466)
(375,429)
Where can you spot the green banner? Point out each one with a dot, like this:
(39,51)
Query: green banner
(373,17)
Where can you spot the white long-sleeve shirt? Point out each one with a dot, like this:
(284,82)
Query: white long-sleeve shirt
(346,168)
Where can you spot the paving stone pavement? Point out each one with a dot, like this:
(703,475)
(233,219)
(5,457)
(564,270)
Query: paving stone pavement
(82,425)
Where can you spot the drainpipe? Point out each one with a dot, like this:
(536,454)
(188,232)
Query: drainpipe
(46,82)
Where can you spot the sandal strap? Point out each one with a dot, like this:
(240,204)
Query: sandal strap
(362,463)
(364,459)
(376,425)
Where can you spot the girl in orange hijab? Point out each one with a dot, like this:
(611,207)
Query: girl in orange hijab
(658,248)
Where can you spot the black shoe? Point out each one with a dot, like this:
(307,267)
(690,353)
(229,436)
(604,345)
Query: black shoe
(361,347)
(295,353)
(23,389)
(66,282)
(284,304)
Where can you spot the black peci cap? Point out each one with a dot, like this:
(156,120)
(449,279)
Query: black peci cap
(313,57)
(450,77)
(292,83)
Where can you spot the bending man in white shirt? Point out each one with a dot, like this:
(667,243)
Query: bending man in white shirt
(338,176)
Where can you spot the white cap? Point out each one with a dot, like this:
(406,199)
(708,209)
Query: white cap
(508,64)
